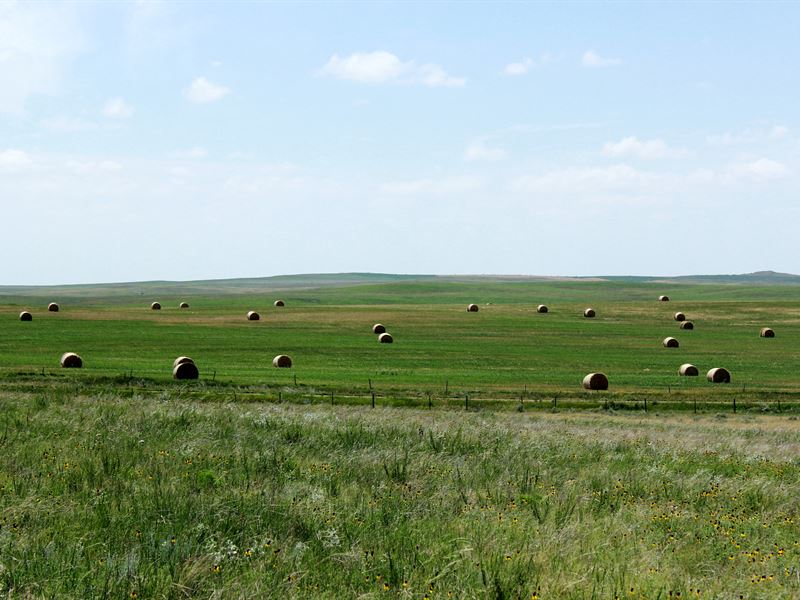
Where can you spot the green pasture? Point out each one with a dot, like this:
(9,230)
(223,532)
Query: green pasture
(506,347)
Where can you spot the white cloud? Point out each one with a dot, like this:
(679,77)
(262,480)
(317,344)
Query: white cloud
(203,91)
(384,67)
(435,76)
(37,42)
(480,151)
(14,160)
(518,68)
(761,169)
(591,58)
(586,180)
(645,149)
(369,67)
(191,153)
(750,171)
(92,201)
(622,182)
(117,108)
(526,64)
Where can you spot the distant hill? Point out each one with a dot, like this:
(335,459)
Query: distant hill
(261,285)
(757,278)
(209,287)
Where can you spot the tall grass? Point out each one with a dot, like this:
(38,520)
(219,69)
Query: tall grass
(104,496)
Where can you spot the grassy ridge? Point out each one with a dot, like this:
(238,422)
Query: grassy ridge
(372,288)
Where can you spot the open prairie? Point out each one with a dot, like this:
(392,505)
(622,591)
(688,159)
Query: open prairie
(483,470)
(504,350)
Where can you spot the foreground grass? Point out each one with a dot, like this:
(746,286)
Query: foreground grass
(166,498)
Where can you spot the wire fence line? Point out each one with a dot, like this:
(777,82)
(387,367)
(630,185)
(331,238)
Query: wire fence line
(153,382)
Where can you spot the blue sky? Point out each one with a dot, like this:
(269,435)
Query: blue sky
(163,140)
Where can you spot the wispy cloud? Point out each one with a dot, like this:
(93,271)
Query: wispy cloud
(526,64)
(778,131)
(384,67)
(625,182)
(14,160)
(37,42)
(431,186)
(479,150)
(760,169)
(518,68)
(435,76)
(644,149)
(592,59)
(755,171)
(117,108)
(191,154)
(63,124)
(749,135)
(202,91)
(586,179)
(85,167)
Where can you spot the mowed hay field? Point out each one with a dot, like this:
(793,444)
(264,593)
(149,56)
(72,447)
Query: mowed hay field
(506,346)
(466,480)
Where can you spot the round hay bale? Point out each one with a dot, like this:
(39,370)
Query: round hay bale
(70,360)
(670,342)
(663,298)
(767,332)
(377,329)
(541,308)
(687,325)
(595,381)
(679,316)
(688,370)
(185,370)
(183,305)
(472,308)
(279,303)
(25,316)
(180,360)
(253,316)
(385,338)
(53,307)
(155,306)
(589,313)
(282,361)
(719,375)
